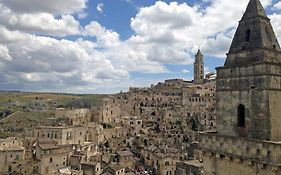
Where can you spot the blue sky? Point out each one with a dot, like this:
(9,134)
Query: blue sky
(104,46)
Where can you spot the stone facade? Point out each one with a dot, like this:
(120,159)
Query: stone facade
(52,157)
(77,117)
(198,68)
(62,135)
(250,80)
(193,167)
(12,153)
(177,98)
(248,96)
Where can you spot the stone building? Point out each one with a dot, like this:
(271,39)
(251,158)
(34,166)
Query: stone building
(77,117)
(126,159)
(109,109)
(199,68)
(248,102)
(161,161)
(12,153)
(95,133)
(193,167)
(51,156)
(61,134)
(176,96)
(91,168)
(250,79)
(114,169)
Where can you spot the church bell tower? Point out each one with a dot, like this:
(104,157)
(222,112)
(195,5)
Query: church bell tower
(249,83)
(199,68)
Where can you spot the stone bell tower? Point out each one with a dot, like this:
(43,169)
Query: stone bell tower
(199,68)
(249,83)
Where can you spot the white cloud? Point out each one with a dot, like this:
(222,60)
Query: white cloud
(100,7)
(7,36)
(276,23)
(185,71)
(105,38)
(41,23)
(50,6)
(82,15)
(4,53)
(163,34)
(129,1)
(173,32)
(217,46)
(277,5)
(43,61)
(206,70)
(124,54)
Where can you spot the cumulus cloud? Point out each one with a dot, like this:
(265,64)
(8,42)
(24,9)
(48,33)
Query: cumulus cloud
(124,54)
(173,32)
(4,53)
(31,58)
(100,7)
(50,6)
(40,23)
(217,45)
(160,32)
(38,60)
(105,38)
(276,23)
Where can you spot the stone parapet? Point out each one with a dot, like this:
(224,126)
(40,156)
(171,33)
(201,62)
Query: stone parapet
(236,147)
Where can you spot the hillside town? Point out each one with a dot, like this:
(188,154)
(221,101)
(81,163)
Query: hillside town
(143,131)
(226,122)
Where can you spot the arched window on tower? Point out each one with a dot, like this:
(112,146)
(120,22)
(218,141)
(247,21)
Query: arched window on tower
(248,35)
(241,116)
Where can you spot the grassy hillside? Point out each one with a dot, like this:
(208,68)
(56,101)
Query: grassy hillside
(19,111)
(19,121)
(20,101)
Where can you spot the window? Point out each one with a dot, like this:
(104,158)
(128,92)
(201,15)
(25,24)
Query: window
(51,159)
(248,35)
(167,163)
(169,172)
(68,135)
(241,115)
